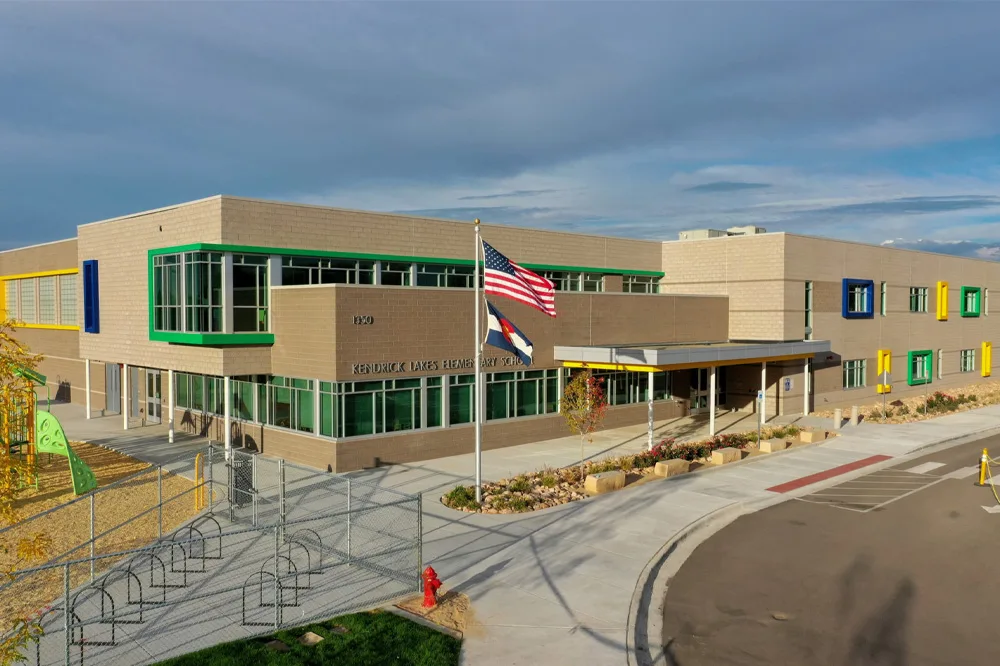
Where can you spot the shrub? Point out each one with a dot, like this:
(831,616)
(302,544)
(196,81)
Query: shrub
(519,484)
(519,504)
(549,480)
(462,497)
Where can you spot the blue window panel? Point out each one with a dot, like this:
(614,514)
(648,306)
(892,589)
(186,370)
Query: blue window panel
(858,299)
(91,298)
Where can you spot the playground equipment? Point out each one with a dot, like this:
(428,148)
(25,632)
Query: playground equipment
(26,432)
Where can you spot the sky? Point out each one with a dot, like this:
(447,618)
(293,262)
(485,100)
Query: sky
(863,121)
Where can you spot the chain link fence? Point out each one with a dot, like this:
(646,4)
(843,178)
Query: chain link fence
(262,544)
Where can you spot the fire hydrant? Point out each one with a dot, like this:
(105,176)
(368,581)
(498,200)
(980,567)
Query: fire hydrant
(431,585)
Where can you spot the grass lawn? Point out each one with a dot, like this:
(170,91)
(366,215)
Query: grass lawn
(372,639)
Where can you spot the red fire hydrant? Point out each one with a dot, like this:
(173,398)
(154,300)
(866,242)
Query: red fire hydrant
(431,585)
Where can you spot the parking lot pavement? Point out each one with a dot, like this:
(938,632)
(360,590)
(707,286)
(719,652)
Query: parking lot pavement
(894,567)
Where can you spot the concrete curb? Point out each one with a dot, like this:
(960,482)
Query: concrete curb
(644,631)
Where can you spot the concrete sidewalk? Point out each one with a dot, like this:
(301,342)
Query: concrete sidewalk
(555,587)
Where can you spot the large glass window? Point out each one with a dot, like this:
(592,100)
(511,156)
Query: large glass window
(10,294)
(203,291)
(47,300)
(183,384)
(29,314)
(442,275)
(67,300)
(857,299)
(435,402)
(396,273)
(524,393)
(250,289)
(640,284)
(290,403)
(854,373)
(461,398)
(626,388)
(167,293)
(322,270)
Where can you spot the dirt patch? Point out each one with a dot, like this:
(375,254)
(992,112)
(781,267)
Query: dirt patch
(125,517)
(453,610)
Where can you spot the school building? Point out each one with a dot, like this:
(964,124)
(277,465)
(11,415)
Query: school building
(344,339)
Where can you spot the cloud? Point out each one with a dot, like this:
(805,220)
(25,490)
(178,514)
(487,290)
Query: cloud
(505,195)
(726,186)
(596,117)
(961,248)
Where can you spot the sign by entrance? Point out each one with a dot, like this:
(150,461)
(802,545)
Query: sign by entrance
(787,384)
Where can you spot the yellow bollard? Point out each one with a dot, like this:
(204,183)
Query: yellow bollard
(983,462)
(198,480)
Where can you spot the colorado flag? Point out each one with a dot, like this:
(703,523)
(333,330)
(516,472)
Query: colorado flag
(503,334)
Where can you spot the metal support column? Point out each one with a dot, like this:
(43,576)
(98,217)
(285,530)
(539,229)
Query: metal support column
(66,613)
(253,489)
(228,406)
(277,584)
(93,533)
(711,401)
(125,389)
(159,501)
(171,406)
(281,497)
(649,414)
(806,387)
(763,392)
(348,520)
(420,542)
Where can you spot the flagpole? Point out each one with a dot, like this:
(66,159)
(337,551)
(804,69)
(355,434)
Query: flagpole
(479,389)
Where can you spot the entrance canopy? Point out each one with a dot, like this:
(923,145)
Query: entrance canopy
(656,357)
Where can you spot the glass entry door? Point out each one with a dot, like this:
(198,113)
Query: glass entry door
(153,405)
(699,389)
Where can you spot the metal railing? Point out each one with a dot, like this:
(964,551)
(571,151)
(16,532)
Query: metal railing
(313,520)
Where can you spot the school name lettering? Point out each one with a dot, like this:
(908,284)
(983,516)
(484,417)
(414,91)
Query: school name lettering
(430,366)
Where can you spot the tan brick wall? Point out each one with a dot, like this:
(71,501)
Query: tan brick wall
(297,226)
(121,248)
(315,335)
(826,262)
(45,257)
(747,269)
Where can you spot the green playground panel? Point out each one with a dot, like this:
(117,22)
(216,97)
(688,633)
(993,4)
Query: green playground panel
(50,438)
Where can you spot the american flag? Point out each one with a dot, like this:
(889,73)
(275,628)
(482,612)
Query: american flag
(505,278)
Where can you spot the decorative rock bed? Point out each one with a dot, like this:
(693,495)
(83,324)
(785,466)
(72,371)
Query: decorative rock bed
(550,487)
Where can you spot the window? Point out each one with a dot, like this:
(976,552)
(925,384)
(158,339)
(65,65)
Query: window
(525,393)
(250,290)
(442,275)
(318,270)
(395,273)
(640,284)
(967,360)
(592,281)
(167,302)
(289,403)
(882,299)
(67,300)
(809,310)
(47,300)
(461,398)
(986,301)
(919,370)
(857,298)
(29,313)
(625,388)
(10,294)
(203,292)
(918,299)
(940,362)
(971,301)
(854,373)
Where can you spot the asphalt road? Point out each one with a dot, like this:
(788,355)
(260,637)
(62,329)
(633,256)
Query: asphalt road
(897,568)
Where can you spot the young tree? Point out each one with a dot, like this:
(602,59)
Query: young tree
(584,406)
(17,402)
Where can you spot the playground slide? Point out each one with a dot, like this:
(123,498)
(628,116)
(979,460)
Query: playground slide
(50,438)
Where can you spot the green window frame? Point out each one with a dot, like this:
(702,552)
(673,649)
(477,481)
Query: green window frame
(919,367)
(972,301)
